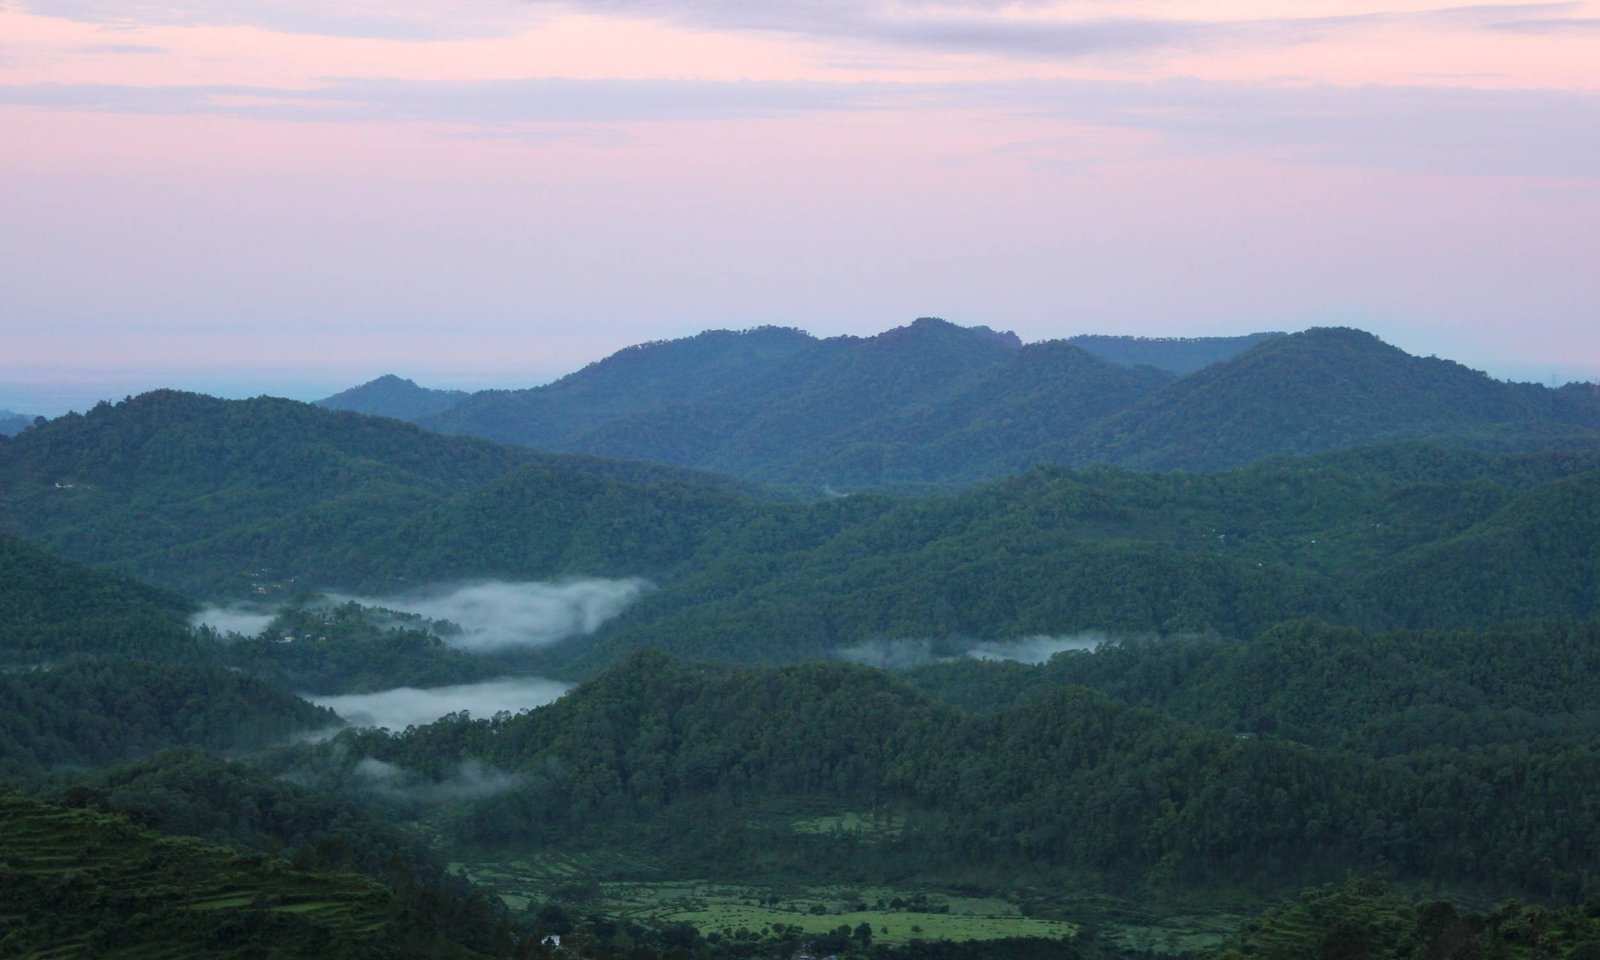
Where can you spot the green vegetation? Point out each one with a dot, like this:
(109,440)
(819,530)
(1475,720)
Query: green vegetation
(50,608)
(1412,536)
(392,396)
(350,648)
(1178,355)
(937,403)
(1367,920)
(101,711)
(729,773)
(77,883)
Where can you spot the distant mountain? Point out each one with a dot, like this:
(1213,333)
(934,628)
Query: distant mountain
(12,423)
(1176,355)
(930,402)
(640,379)
(392,396)
(1326,389)
(776,427)
(933,403)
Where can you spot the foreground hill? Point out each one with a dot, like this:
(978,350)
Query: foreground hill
(79,883)
(1366,919)
(725,769)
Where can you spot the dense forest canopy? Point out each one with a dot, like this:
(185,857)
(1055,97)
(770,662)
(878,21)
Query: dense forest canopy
(1319,610)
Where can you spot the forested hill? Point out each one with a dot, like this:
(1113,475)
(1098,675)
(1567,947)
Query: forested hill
(51,607)
(1177,355)
(82,883)
(91,712)
(1359,538)
(224,496)
(12,424)
(935,403)
(1325,389)
(637,380)
(717,764)
(930,401)
(392,396)
(230,499)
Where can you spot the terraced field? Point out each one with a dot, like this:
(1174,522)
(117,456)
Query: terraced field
(727,908)
(77,883)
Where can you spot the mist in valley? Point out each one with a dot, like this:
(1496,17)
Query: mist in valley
(497,615)
(908,654)
(413,706)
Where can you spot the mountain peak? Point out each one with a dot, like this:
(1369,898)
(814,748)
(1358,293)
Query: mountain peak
(394,396)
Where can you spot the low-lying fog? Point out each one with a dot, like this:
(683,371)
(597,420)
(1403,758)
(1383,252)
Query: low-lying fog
(407,706)
(493,615)
(906,654)
(245,621)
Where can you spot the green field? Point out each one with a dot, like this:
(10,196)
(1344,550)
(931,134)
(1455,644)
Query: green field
(727,908)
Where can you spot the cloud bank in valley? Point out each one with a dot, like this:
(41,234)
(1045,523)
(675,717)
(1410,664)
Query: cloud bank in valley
(496,615)
(907,654)
(470,781)
(412,706)
(244,621)
(1037,649)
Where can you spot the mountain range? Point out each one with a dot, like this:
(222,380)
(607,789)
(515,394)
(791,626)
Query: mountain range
(269,499)
(935,403)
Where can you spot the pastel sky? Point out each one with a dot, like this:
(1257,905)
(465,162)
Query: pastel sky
(293,196)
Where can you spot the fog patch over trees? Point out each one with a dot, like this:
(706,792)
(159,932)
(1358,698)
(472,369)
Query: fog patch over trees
(244,621)
(411,706)
(1035,650)
(907,654)
(496,615)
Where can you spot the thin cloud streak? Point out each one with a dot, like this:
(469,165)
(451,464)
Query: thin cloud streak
(976,26)
(1438,130)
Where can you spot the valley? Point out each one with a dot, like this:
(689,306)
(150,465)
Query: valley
(1118,697)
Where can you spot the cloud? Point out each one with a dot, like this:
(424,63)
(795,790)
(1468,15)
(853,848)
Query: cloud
(245,621)
(496,615)
(396,20)
(1425,129)
(470,780)
(1581,26)
(490,105)
(909,654)
(411,706)
(1023,29)
(1035,650)
(993,26)
(891,654)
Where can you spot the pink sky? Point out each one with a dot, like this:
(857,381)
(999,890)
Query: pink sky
(295,196)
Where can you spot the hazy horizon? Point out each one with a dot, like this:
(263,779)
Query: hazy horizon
(53,395)
(292,197)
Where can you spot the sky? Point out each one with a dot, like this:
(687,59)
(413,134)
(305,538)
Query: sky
(294,196)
